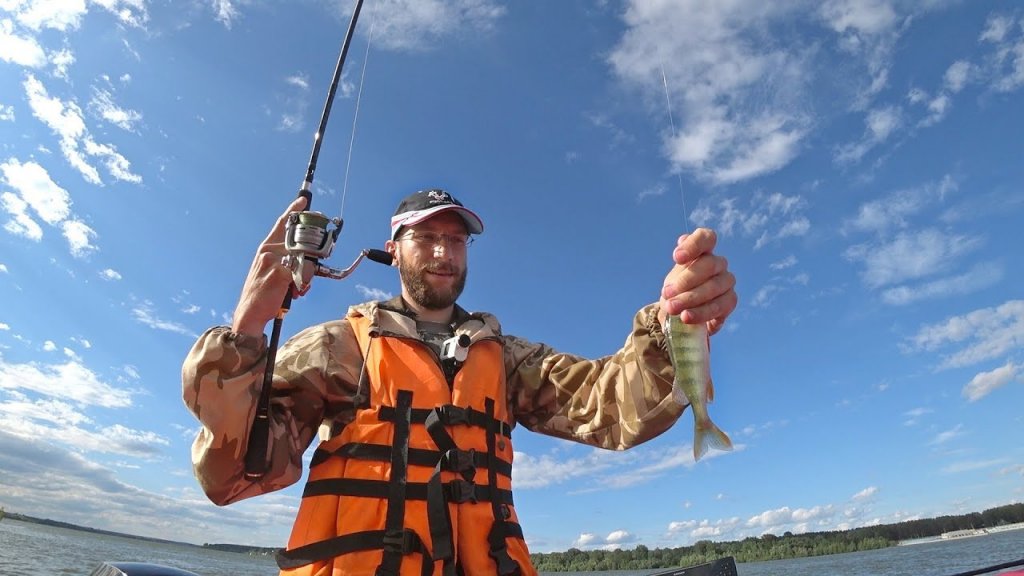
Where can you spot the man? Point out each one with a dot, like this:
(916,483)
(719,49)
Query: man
(420,397)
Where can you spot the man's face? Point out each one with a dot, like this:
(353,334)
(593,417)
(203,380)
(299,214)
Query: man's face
(432,260)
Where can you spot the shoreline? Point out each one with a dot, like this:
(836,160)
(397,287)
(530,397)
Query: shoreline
(961,534)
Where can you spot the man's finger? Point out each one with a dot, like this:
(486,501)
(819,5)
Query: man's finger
(690,246)
(277,232)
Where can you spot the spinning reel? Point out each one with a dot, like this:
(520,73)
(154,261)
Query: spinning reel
(308,239)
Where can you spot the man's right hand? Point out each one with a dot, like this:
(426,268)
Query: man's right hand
(268,281)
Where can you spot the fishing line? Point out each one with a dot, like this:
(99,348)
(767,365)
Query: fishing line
(672,123)
(355,115)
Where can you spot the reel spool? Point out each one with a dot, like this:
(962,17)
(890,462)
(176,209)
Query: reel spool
(308,238)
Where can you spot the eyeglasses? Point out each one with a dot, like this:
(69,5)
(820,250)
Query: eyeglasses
(425,238)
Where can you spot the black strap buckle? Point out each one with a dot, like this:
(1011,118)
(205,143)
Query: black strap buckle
(461,491)
(506,565)
(402,542)
(452,415)
(461,460)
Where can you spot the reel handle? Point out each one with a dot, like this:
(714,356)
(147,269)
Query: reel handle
(380,256)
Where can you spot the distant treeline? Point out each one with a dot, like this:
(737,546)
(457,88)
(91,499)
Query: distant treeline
(752,549)
(772,547)
(242,549)
(69,526)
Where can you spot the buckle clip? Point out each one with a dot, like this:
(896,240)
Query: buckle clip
(401,542)
(460,491)
(461,460)
(451,414)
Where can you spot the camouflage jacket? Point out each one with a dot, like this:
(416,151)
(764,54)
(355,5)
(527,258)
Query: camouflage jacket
(613,402)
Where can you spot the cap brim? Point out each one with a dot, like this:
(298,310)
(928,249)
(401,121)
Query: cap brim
(474,225)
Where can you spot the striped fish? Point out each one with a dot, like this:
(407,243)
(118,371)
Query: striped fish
(691,358)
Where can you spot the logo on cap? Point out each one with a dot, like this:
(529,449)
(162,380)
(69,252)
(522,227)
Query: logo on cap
(438,196)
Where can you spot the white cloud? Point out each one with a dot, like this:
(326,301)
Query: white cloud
(765,295)
(737,95)
(983,335)
(879,125)
(130,12)
(4,326)
(70,381)
(914,416)
(110,274)
(420,24)
(103,105)
(537,472)
(996,28)
(868,31)
(771,217)
(970,466)
(226,11)
(795,519)
(894,211)
(20,50)
(49,346)
(61,61)
(787,262)
(862,17)
(21,223)
(298,80)
(910,255)
(79,236)
(619,537)
(37,191)
(865,494)
(1007,62)
(585,539)
(51,202)
(145,314)
(61,16)
(3,268)
(977,278)
(957,75)
(373,293)
(65,119)
(6,112)
(947,435)
(985,382)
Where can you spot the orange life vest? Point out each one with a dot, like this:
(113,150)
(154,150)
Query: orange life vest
(419,483)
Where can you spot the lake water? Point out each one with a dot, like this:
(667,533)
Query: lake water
(27,548)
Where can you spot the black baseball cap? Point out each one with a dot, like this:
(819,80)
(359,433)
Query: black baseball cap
(419,206)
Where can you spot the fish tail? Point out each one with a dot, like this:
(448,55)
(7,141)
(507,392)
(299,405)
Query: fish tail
(708,435)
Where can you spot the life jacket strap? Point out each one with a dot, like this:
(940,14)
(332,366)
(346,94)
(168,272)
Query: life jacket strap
(394,520)
(499,530)
(458,491)
(454,460)
(405,543)
(451,416)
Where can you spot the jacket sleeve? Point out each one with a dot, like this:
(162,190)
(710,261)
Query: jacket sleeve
(315,380)
(613,402)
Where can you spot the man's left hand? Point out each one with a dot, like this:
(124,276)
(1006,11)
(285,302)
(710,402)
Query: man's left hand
(699,288)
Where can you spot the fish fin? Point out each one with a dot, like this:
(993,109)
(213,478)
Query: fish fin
(707,436)
(709,391)
(679,396)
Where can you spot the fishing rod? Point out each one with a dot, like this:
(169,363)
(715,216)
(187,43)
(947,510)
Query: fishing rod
(308,239)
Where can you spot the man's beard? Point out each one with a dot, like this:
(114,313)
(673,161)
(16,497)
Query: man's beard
(423,293)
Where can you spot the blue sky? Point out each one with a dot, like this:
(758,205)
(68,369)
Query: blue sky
(861,161)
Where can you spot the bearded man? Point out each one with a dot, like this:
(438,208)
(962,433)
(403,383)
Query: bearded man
(416,399)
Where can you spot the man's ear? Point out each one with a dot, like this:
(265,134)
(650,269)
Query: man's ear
(392,248)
